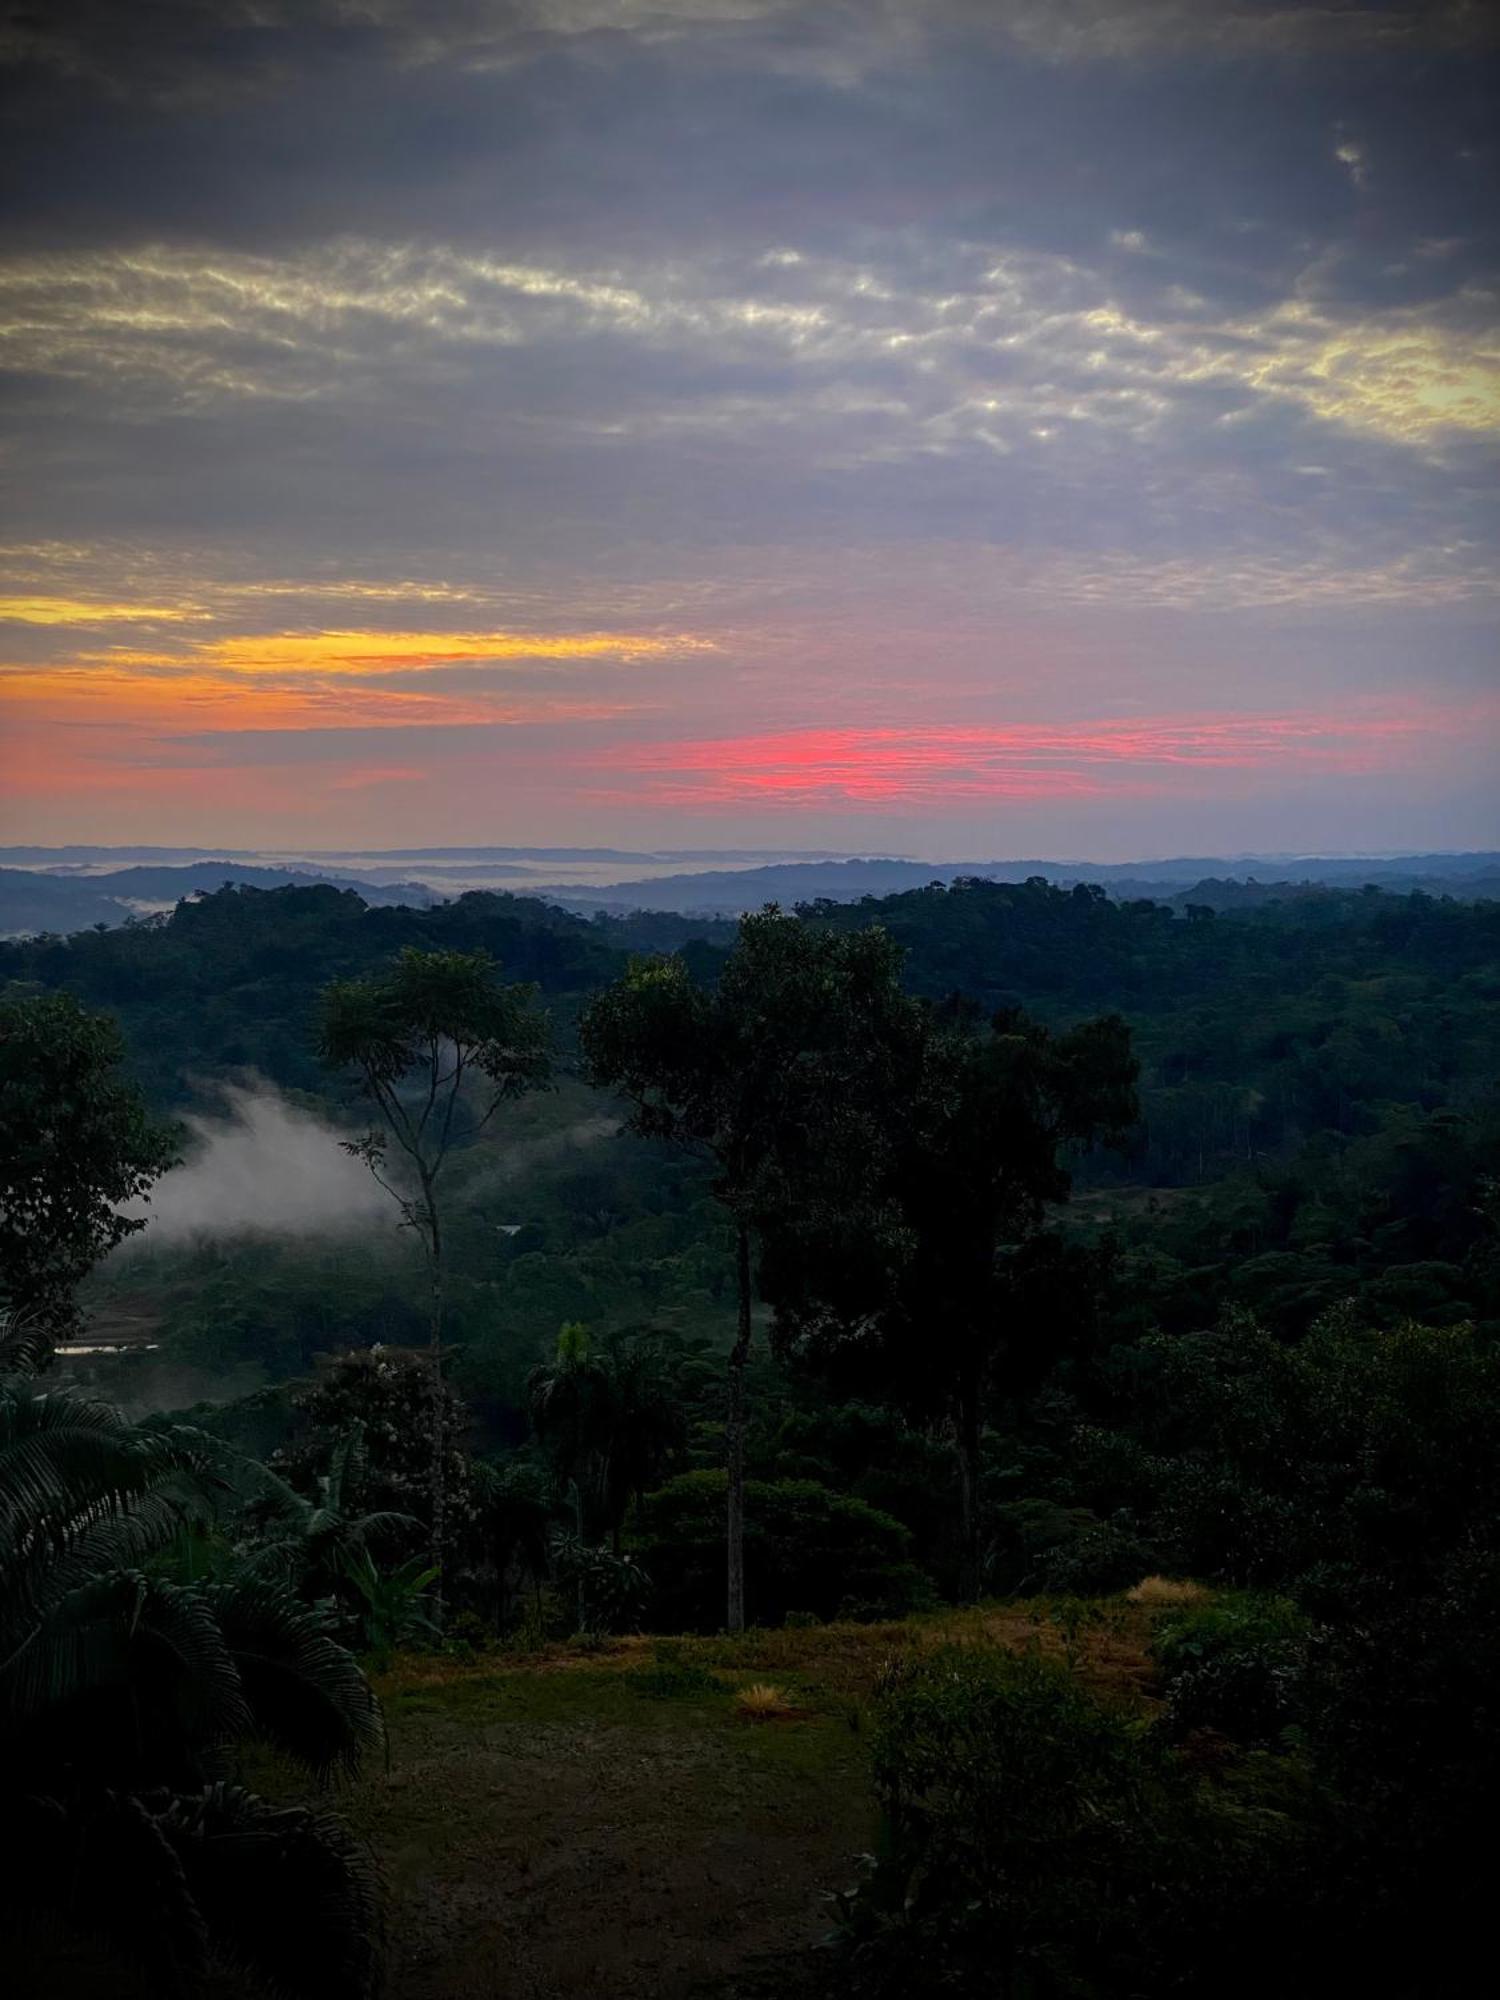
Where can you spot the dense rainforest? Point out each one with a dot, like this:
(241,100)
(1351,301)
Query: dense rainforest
(988,1244)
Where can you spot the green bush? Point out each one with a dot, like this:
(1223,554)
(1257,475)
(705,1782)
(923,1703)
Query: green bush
(1036,1842)
(807,1550)
(1235,1665)
(1038,1545)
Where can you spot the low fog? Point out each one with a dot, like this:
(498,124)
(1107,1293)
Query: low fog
(260,1166)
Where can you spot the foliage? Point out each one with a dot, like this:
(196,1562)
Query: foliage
(763,1701)
(1038,1843)
(610,1591)
(609,1419)
(392,1603)
(384,1396)
(321,1547)
(438,1046)
(806,1549)
(902,1285)
(121,1695)
(1100,1559)
(774,1075)
(75,1143)
(1235,1665)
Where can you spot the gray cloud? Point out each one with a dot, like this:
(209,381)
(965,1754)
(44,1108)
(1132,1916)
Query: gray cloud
(750,316)
(259,1166)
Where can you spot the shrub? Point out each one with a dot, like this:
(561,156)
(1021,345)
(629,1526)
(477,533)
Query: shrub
(1036,1842)
(606,1591)
(1040,1545)
(807,1550)
(1098,1562)
(1234,1665)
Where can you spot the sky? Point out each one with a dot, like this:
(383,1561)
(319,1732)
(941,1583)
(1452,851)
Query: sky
(959,428)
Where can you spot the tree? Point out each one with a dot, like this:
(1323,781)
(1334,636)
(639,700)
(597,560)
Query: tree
(438,1046)
(385,1394)
(75,1142)
(121,1695)
(773,1075)
(605,1412)
(313,1545)
(914,1281)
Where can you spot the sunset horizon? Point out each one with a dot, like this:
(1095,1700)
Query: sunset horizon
(706,424)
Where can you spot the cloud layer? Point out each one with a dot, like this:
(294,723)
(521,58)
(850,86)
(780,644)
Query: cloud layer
(463,421)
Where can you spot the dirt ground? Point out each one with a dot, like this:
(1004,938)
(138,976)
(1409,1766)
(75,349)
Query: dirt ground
(612,1826)
(606,1824)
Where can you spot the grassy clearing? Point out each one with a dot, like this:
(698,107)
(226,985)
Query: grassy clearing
(611,1821)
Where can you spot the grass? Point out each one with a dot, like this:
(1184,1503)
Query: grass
(763,1701)
(558,1822)
(1163,1592)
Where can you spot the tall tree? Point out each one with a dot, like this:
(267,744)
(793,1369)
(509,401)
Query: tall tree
(773,1075)
(605,1412)
(75,1143)
(438,1045)
(909,1283)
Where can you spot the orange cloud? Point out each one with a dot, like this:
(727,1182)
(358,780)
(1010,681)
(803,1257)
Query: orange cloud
(304,679)
(364,652)
(195,702)
(87,611)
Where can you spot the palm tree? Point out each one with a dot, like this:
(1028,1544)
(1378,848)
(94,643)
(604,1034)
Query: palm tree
(609,1419)
(313,1544)
(123,1698)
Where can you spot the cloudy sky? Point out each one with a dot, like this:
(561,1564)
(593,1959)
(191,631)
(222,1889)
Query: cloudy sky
(955,427)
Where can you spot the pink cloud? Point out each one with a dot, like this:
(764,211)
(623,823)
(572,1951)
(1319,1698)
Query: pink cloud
(922,765)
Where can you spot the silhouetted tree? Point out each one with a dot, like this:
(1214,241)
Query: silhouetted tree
(438,1046)
(75,1142)
(909,1283)
(772,1075)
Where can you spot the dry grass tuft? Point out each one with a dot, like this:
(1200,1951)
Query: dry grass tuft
(1164,1590)
(762,1701)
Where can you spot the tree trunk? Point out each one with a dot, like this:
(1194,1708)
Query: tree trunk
(967,1439)
(735,1437)
(438,1471)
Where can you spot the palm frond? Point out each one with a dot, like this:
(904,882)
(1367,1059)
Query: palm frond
(128,1676)
(81,1491)
(26,1344)
(106,1868)
(244,1858)
(306,1694)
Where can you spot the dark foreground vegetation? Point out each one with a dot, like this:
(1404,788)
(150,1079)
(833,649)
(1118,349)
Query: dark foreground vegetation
(780,1290)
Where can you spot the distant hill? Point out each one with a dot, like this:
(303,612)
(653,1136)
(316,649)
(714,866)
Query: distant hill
(66,890)
(32,901)
(1217,881)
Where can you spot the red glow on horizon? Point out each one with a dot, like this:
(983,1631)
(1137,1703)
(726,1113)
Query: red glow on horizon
(940,763)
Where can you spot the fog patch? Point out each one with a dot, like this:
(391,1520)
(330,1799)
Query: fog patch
(260,1166)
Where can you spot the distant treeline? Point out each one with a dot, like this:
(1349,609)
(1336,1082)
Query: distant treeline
(1256,1028)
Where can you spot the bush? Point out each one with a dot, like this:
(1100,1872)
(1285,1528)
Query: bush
(1235,1665)
(807,1550)
(1039,1545)
(1038,1843)
(1099,1562)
